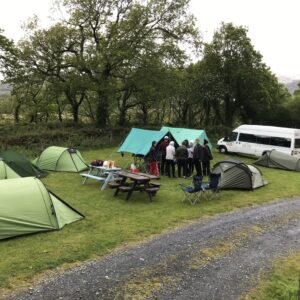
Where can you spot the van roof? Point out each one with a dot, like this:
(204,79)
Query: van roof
(268,129)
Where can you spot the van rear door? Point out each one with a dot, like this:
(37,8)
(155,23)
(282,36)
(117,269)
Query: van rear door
(296,150)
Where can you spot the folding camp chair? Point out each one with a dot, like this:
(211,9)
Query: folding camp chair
(211,189)
(193,193)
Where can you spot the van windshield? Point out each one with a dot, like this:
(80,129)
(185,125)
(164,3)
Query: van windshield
(232,137)
(297,143)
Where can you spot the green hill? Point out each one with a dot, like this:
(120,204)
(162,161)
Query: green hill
(4,89)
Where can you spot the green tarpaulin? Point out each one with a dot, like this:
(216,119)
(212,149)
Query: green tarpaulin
(21,165)
(61,159)
(26,206)
(279,160)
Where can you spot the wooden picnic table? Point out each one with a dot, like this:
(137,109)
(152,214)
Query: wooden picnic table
(100,173)
(141,182)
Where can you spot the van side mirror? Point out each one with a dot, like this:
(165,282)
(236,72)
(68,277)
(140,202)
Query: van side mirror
(226,139)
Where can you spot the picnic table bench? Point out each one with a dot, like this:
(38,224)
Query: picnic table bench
(100,173)
(141,182)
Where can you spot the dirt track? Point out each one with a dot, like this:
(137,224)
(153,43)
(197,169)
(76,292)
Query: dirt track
(219,258)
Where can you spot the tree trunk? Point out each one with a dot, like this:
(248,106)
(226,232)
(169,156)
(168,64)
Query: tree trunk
(102,110)
(122,117)
(17,113)
(59,110)
(75,109)
(228,112)
(145,114)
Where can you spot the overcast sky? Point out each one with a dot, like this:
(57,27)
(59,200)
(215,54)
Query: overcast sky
(273,25)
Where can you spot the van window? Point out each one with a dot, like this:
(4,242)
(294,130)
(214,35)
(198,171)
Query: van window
(249,138)
(297,143)
(280,142)
(263,140)
(232,137)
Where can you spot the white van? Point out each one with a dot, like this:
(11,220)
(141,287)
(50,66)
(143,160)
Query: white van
(256,140)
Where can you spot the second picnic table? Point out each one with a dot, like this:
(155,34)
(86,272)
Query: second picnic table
(141,182)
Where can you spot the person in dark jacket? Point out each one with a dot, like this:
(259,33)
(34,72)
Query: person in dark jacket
(198,156)
(207,157)
(163,146)
(153,159)
(181,155)
(185,143)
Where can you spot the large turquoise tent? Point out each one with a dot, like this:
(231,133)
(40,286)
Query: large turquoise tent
(181,134)
(139,141)
(26,206)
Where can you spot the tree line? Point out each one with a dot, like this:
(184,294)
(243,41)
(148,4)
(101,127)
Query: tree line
(124,62)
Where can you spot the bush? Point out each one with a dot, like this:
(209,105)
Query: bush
(34,138)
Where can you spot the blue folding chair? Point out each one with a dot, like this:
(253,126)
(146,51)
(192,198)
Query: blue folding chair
(193,193)
(211,189)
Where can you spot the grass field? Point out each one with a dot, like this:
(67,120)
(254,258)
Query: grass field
(112,222)
(282,282)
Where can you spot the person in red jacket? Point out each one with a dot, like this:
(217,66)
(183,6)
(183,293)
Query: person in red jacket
(153,161)
(163,146)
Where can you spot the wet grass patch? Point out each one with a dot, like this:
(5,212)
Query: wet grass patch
(281,283)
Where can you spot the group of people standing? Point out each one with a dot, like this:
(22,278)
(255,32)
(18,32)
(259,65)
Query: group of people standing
(188,156)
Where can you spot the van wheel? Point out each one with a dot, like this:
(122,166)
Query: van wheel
(223,149)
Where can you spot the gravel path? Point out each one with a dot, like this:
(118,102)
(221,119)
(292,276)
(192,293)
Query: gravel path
(217,258)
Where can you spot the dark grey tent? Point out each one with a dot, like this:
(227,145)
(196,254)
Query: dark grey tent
(279,160)
(237,175)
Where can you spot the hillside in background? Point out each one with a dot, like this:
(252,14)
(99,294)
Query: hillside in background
(290,83)
(4,89)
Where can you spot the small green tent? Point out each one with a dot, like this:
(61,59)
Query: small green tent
(139,141)
(237,175)
(61,159)
(21,165)
(181,134)
(26,206)
(6,172)
(279,160)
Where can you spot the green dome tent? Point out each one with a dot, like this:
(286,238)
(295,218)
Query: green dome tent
(26,206)
(61,159)
(21,165)
(6,172)
(237,175)
(279,160)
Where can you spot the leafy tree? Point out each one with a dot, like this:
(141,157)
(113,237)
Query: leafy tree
(235,81)
(51,55)
(8,54)
(292,109)
(117,34)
